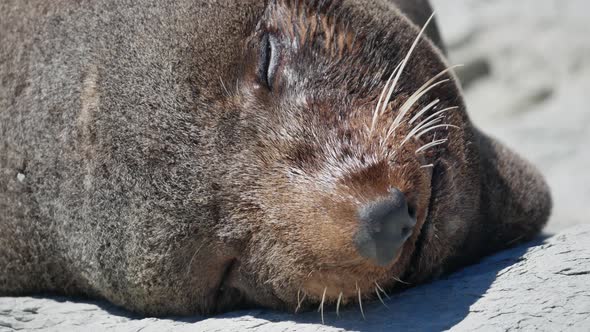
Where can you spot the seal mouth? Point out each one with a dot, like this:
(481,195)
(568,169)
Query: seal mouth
(434,181)
(223,282)
(236,292)
(226,296)
(348,263)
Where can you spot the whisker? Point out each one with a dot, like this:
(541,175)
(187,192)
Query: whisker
(431,144)
(425,124)
(401,281)
(440,112)
(223,86)
(321,308)
(429,85)
(404,63)
(427,166)
(421,126)
(300,302)
(444,110)
(435,127)
(408,105)
(424,110)
(190,263)
(382,290)
(434,78)
(380,298)
(360,301)
(376,112)
(338,304)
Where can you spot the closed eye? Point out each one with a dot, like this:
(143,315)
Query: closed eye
(268,61)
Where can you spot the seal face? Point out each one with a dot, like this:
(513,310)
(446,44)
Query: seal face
(302,152)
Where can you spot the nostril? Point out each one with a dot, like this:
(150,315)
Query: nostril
(412,211)
(406,231)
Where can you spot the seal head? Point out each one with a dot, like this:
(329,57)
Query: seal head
(340,126)
(355,138)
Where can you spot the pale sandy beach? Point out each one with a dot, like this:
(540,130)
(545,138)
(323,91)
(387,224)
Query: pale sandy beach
(528,63)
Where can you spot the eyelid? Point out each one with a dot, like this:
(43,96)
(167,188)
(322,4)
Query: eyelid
(268,59)
(274,59)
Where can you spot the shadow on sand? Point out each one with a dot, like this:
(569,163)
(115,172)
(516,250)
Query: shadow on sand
(432,307)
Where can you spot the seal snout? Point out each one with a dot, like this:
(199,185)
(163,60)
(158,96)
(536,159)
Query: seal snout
(384,226)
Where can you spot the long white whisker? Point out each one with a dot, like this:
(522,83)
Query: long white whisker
(413,131)
(338,304)
(401,281)
(299,302)
(439,112)
(382,290)
(429,85)
(435,127)
(408,105)
(380,298)
(376,112)
(422,125)
(433,115)
(424,110)
(434,78)
(404,63)
(432,144)
(360,301)
(321,308)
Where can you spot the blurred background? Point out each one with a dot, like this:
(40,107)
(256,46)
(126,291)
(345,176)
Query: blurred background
(526,78)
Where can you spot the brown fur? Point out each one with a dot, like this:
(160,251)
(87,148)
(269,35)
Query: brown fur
(159,173)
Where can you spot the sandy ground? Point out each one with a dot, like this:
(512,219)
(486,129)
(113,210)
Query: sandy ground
(527,75)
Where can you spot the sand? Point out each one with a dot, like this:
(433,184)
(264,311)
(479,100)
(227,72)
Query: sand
(528,76)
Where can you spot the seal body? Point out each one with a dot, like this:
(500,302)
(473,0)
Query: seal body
(200,156)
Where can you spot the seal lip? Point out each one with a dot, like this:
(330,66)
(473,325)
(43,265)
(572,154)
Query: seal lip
(434,181)
(223,286)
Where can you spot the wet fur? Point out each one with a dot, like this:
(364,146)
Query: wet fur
(141,163)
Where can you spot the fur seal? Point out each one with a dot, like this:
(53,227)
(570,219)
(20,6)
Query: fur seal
(199,156)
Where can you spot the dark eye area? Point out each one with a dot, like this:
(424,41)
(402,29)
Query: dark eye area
(268,61)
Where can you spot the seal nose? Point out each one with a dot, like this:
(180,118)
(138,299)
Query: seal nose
(384,226)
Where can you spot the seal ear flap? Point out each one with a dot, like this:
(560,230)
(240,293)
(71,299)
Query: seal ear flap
(515,200)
